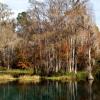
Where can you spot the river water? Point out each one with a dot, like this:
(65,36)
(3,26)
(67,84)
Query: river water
(49,90)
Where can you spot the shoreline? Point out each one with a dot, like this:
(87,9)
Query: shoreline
(27,77)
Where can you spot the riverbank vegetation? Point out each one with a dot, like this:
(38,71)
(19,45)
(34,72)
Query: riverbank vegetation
(24,78)
(54,36)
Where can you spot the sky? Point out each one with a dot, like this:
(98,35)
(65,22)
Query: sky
(22,5)
(96,9)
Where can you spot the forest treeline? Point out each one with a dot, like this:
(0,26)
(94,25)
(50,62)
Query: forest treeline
(50,37)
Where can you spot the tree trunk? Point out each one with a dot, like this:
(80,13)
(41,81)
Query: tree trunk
(90,77)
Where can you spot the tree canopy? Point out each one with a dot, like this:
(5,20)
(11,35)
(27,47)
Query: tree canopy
(52,36)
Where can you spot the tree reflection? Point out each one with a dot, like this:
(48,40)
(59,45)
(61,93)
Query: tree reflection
(51,91)
(90,82)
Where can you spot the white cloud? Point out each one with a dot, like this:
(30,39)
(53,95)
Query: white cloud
(40,0)
(2,1)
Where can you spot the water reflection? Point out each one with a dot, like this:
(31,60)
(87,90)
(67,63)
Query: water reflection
(90,82)
(51,91)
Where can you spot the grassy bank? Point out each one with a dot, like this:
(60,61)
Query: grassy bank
(22,76)
(26,76)
(6,78)
(17,72)
(68,77)
(28,79)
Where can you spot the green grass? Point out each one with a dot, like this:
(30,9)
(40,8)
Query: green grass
(3,68)
(17,71)
(81,75)
(68,76)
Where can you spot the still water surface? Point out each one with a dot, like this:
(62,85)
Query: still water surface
(51,91)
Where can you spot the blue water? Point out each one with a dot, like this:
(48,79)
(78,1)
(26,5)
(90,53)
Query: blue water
(51,91)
